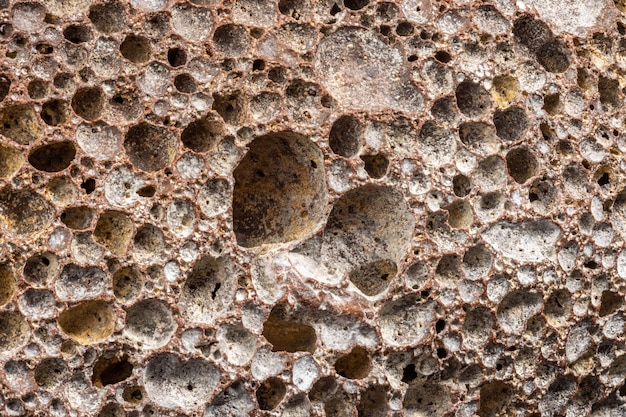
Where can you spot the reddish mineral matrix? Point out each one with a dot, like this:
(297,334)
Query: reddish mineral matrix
(327,208)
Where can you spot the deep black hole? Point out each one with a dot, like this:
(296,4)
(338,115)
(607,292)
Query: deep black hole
(440,325)
(443,56)
(215,290)
(177,57)
(89,185)
(147,191)
(116,372)
(385,30)
(409,373)
(604,179)
(355,4)
(258,65)
(136,395)
(441,353)
(591,265)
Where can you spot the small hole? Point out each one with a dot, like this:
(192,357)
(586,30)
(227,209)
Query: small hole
(278,75)
(176,57)
(461,185)
(147,191)
(355,4)
(88,102)
(327,101)
(136,49)
(404,29)
(89,185)
(215,290)
(441,353)
(258,65)
(54,112)
(440,325)
(409,374)
(228,64)
(604,179)
(77,34)
(53,157)
(185,83)
(443,56)
(44,48)
(111,372)
(256,33)
(376,166)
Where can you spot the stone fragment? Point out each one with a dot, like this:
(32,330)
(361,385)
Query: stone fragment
(14,332)
(405,321)
(279,190)
(578,18)
(527,241)
(356,67)
(89,322)
(174,383)
(20,123)
(24,213)
(150,323)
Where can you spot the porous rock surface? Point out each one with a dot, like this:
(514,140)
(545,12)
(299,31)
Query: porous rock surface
(312,208)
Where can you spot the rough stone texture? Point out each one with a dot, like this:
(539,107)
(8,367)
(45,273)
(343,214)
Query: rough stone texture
(325,208)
